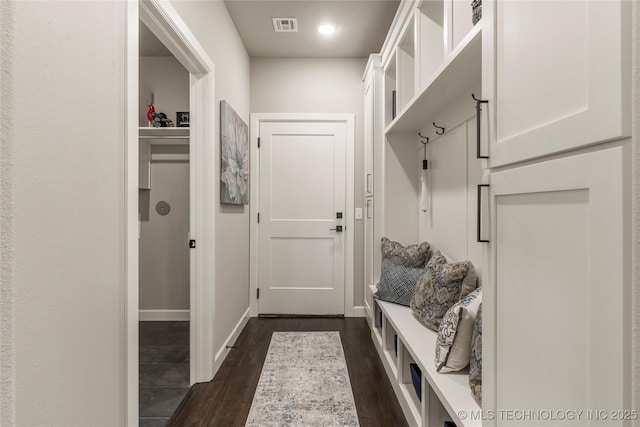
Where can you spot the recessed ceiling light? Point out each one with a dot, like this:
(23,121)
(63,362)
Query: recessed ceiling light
(327,29)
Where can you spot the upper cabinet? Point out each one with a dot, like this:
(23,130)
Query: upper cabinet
(436,60)
(561,76)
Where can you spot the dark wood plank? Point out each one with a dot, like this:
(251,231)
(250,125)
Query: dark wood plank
(226,400)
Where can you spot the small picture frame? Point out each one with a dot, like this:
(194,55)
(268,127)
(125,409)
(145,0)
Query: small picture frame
(182,119)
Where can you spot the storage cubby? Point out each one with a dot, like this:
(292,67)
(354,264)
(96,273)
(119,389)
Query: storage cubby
(461,20)
(411,381)
(390,91)
(377,323)
(431,39)
(406,64)
(443,396)
(390,344)
(390,340)
(434,413)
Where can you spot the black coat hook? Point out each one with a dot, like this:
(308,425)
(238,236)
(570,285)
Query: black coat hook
(473,95)
(423,137)
(439,132)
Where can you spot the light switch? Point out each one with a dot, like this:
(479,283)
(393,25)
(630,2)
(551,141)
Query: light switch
(358,213)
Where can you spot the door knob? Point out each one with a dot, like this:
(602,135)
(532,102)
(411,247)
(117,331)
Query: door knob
(338,229)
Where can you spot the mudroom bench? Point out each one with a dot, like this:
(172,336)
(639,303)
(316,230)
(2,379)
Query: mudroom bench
(407,350)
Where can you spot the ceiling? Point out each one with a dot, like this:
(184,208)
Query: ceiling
(149,44)
(362,26)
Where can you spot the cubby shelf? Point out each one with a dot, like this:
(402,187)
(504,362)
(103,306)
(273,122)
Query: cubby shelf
(452,389)
(460,71)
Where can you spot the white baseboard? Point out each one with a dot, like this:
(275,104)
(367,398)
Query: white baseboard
(359,311)
(163,315)
(235,333)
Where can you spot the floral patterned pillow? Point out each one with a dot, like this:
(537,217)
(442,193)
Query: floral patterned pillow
(475,365)
(414,256)
(440,286)
(453,346)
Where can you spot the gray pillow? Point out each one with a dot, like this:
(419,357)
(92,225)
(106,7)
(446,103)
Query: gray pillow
(414,256)
(440,286)
(397,283)
(453,346)
(475,365)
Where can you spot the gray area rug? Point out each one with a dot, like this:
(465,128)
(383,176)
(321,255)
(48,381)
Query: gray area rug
(304,382)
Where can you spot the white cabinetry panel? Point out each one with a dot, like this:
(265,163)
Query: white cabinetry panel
(561,78)
(370,244)
(553,311)
(369,131)
(448,179)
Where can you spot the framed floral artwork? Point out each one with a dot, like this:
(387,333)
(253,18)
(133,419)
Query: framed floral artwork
(234,157)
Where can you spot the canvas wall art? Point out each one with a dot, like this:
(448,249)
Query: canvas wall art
(234,157)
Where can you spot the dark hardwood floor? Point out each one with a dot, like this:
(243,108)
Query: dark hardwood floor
(225,401)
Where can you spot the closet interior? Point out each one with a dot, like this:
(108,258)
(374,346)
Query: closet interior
(164,215)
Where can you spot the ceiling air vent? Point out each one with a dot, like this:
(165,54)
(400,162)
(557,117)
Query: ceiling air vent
(285,25)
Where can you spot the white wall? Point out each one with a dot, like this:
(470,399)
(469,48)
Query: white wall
(62,198)
(317,86)
(211,24)
(635,321)
(164,254)
(168,80)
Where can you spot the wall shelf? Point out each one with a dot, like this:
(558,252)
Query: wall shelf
(460,71)
(170,136)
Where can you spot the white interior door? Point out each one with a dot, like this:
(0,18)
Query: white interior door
(302,204)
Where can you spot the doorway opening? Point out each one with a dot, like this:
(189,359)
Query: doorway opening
(169,153)
(164,211)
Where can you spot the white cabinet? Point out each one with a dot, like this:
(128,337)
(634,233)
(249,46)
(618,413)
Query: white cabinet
(373,157)
(553,311)
(555,273)
(560,77)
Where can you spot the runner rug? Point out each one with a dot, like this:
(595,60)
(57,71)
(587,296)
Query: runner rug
(304,382)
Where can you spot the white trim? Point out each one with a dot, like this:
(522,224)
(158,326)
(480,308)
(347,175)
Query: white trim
(167,25)
(132,224)
(349,120)
(163,315)
(165,22)
(169,157)
(202,225)
(359,311)
(223,351)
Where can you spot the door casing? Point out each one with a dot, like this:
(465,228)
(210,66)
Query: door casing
(166,24)
(254,208)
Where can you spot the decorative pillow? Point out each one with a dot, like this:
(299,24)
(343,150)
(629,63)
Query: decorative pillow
(475,365)
(440,286)
(397,283)
(414,256)
(453,347)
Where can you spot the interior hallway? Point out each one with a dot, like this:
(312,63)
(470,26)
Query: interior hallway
(226,400)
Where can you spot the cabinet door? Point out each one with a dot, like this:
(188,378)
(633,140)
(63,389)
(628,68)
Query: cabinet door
(369,243)
(369,123)
(561,76)
(554,309)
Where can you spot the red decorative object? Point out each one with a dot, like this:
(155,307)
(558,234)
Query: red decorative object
(151,110)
